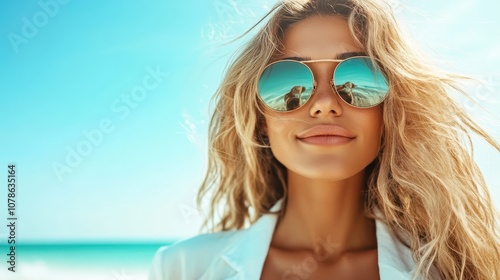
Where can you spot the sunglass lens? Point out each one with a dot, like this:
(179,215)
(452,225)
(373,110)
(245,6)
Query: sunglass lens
(285,85)
(360,83)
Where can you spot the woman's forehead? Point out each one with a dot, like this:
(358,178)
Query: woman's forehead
(319,37)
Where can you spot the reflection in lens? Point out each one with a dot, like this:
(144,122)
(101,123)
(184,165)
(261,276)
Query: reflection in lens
(345,91)
(285,85)
(293,97)
(360,83)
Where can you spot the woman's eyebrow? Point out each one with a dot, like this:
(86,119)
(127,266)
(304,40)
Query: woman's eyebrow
(297,58)
(346,55)
(340,56)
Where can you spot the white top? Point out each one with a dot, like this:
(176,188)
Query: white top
(240,254)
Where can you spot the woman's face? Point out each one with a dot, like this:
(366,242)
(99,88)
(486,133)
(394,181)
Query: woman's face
(291,134)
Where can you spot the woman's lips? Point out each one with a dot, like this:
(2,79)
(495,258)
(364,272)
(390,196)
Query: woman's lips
(326,140)
(326,135)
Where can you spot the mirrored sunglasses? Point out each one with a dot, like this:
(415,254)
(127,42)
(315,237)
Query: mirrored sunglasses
(286,85)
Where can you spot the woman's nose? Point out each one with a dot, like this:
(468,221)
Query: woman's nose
(325,101)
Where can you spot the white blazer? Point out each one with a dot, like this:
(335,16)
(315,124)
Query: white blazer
(240,254)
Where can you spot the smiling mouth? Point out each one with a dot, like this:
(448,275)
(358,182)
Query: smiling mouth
(326,135)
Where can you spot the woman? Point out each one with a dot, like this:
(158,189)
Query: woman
(384,188)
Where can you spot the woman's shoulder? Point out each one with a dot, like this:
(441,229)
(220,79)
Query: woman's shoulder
(190,258)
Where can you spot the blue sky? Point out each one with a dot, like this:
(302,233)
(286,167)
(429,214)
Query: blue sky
(104,105)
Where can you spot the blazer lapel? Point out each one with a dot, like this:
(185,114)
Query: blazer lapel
(248,252)
(395,259)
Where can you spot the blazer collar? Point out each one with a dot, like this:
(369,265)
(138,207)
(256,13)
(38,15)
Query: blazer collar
(247,254)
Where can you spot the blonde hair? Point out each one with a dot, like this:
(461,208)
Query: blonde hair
(424,182)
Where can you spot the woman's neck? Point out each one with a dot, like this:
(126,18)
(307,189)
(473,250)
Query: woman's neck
(323,214)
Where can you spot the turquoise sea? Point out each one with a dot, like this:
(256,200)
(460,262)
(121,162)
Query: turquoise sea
(80,261)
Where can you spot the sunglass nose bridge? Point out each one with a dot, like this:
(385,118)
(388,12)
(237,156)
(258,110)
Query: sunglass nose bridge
(332,85)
